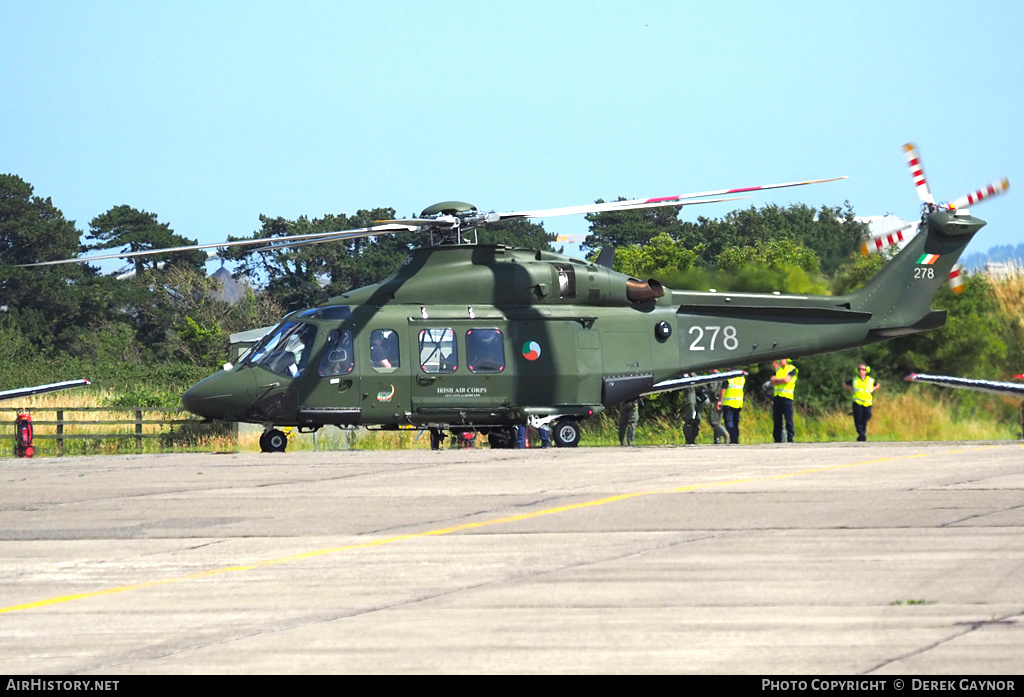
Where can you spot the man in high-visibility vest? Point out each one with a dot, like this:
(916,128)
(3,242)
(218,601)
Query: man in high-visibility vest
(863,387)
(783,384)
(732,403)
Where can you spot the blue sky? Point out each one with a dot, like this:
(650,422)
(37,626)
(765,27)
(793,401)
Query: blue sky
(211,113)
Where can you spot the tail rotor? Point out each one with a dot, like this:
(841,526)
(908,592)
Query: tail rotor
(959,206)
(924,193)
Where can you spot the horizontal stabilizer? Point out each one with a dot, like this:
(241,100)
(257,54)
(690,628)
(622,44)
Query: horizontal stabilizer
(935,319)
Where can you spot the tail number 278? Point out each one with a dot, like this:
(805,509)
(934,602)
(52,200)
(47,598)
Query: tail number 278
(706,338)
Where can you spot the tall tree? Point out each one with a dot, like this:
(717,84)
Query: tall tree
(622,228)
(831,232)
(517,233)
(135,231)
(31,228)
(300,275)
(46,305)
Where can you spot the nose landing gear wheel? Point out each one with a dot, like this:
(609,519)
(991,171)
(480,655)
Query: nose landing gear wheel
(273,441)
(567,434)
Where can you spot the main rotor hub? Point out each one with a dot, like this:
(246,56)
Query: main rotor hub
(453,218)
(448,208)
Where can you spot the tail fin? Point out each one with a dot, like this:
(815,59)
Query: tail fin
(900,295)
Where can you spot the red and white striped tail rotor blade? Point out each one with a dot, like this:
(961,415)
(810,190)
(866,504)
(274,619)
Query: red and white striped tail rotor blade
(877,244)
(989,191)
(914,162)
(956,279)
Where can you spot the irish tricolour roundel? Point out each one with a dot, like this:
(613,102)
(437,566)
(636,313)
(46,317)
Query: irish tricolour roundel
(531,350)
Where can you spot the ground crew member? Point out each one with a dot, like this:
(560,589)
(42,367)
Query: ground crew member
(702,400)
(629,417)
(863,387)
(732,403)
(523,436)
(713,408)
(784,384)
(691,414)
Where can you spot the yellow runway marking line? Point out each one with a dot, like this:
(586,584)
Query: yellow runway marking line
(454,529)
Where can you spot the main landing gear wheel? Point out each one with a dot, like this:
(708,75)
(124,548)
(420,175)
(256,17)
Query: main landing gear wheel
(566,434)
(273,441)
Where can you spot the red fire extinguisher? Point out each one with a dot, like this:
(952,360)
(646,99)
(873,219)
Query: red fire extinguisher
(23,435)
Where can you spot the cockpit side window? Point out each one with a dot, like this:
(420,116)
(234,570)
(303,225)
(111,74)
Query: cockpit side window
(485,351)
(337,357)
(438,351)
(287,350)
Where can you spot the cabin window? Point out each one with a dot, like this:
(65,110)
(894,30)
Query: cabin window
(384,352)
(485,351)
(287,350)
(337,358)
(438,352)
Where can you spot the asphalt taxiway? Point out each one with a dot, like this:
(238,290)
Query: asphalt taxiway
(873,559)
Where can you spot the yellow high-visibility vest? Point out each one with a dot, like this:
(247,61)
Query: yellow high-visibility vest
(734,393)
(786,389)
(862,390)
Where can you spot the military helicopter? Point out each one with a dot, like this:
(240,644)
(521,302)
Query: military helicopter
(466,336)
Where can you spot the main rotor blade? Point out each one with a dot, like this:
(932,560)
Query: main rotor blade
(334,236)
(917,171)
(679,200)
(39,389)
(315,236)
(598,208)
(990,386)
(994,189)
(440,221)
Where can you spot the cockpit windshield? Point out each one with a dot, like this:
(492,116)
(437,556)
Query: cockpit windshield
(286,351)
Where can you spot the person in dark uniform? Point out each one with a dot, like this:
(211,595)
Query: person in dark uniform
(691,414)
(629,417)
(378,354)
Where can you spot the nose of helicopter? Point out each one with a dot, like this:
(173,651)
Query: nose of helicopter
(225,395)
